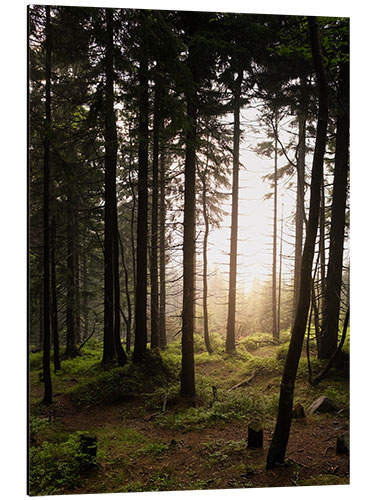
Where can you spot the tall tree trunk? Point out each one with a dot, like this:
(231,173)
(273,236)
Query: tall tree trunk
(77,291)
(280,269)
(300,202)
(276,452)
(187,388)
(85,296)
(128,300)
(47,399)
(121,356)
(205,264)
(331,298)
(54,318)
(322,246)
(140,340)
(162,330)
(110,140)
(275,331)
(230,345)
(154,223)
(41,317)
(71,340)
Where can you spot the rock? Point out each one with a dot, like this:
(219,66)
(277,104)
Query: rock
(342,444)
(254,436)
(324,405)
(298,411)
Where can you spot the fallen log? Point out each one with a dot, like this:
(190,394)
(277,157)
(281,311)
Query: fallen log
(246,381)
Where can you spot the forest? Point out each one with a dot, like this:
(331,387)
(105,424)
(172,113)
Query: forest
(188,250)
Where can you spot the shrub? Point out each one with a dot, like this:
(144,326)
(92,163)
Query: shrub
(54,467)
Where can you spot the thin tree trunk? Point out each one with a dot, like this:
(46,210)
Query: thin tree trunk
(70,351)
(230,345)
(47,399)
(322,247)
(128,300)
(140,340)
(155,342)
(280,269)
(276,452)
(275,331)
(205,265)
(54,318)
(85,296)
(121,356)
(187,388)
(110,139)
(162,330)
(331,298)
(77,293)
(300,206)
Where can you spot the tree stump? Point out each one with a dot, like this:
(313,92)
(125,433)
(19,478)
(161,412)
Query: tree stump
(342,444)
(88,447)
(254,436)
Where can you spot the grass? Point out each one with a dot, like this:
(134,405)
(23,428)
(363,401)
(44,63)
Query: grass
(151,390)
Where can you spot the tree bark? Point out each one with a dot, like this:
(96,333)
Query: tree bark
(230,345)
(140,340)
(331,298)
(300,202)
(205,264)
(275,330)
(54,318)
(71,338)
(47,399)
(112,342)
(162,330)
(276,452)
(187,388)
(154,222)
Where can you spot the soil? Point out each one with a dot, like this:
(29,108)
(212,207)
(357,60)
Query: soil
(205,459)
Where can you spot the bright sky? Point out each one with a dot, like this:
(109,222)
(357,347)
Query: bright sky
(255,215)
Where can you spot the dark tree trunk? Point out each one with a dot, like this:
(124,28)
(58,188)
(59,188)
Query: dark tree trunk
(110,139)
(41,317)
(331,298)
(162,330)
(154,223)
(205,265)
(275,330)
(140,340)
(71,338)
(54,318)
(322,246)
(47,399)
(128,300)
(121,356)
(187,366)
(85,296)
(276,452)
(300,203)
(280,271)
(230,345)
(77,290)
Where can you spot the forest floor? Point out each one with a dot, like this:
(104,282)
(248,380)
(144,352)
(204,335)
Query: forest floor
(155,442)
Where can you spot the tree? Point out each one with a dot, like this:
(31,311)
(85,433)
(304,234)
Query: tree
(112,343)
(140,341)
(230,345)
(332,292)
(47,399)
(276,452)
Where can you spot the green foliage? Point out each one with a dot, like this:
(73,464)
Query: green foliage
(235,405)
(54,467)
(154,449)
(124,383)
